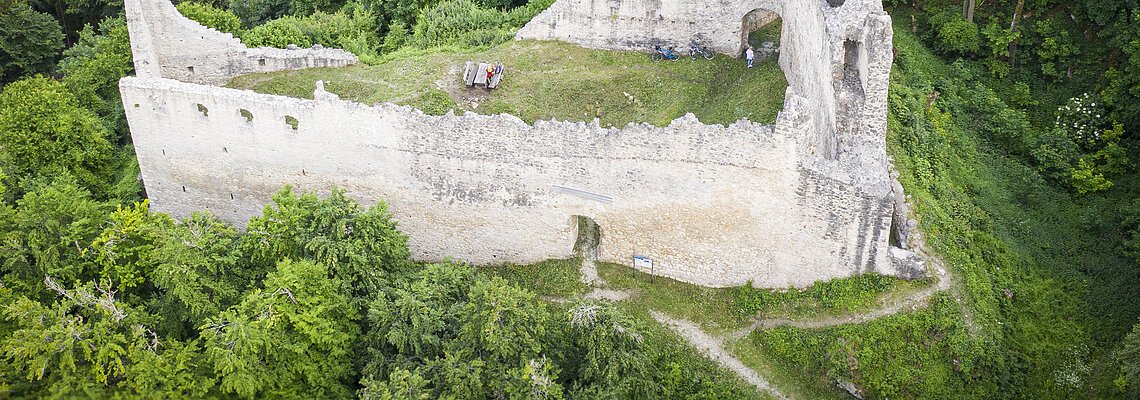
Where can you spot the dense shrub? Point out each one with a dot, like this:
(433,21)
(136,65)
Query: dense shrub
(211,17)
(464,23)
(279,33)
(353,30)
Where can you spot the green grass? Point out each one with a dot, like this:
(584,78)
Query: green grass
(558,278)
(723,310)
(792,380)
(1041,286)
(545,80)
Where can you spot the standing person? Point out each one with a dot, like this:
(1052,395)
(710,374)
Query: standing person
(749,55)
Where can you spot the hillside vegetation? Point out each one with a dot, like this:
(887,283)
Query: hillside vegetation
(545,80)
(1013,126)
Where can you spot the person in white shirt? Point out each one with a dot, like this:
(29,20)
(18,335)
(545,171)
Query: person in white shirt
(749,55)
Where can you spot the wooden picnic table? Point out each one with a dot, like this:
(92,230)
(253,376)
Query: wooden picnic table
(476,74)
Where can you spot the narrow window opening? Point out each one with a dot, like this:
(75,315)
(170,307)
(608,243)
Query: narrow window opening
(231,196)
(191,69)
(184,189)
(303,172)
(202,109)
(136,105)
(225,150)
(292,122)
(261,62)
(164,152)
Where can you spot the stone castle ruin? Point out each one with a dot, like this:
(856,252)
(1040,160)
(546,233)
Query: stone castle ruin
(807,198)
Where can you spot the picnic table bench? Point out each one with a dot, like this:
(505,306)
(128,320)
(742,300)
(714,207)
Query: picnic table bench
(476,74)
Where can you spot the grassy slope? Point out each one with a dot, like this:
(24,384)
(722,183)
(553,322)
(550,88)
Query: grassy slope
(546,80)
(1042,282)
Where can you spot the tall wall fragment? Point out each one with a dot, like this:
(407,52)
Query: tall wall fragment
(166,44)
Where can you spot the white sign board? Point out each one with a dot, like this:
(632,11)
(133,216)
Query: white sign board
(643,263)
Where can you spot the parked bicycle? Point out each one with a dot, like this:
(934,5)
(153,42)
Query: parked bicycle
(660,53)
(696,49)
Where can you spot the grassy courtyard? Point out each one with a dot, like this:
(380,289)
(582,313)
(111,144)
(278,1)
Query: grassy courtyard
(545,80)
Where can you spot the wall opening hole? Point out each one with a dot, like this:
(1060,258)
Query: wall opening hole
(261,62)
(225,150)
(231,196)
(202,109)
(835,3)
(190,69)
(292,122)
(852,78)
(136,105)
(164,152)
(589,236)
(762,29)
(184,188)
(303,172)
(245,113)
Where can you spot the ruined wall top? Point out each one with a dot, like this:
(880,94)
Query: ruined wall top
(168,45)
(835,53)
(804,199)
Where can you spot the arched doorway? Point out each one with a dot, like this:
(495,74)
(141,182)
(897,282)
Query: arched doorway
(761,29)
(589,236)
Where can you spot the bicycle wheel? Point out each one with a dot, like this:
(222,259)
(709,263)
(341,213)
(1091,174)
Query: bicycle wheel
(706,54)
(692,54)
(655,57)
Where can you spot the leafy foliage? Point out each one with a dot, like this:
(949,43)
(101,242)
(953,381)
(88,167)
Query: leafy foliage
(211,17)
(291,338)
(465,23)
(279,33)
(92,68)
(44,132)
(30,41)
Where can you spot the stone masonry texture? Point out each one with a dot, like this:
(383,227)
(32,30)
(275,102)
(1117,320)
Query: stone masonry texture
(807,198)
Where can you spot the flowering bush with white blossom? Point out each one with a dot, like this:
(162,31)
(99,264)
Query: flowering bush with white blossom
(1083,118)
(1083,148)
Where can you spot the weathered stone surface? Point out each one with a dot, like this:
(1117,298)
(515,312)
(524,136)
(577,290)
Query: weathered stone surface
(166,44)
(784,204)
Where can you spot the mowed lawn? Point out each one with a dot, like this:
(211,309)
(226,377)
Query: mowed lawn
(552,80)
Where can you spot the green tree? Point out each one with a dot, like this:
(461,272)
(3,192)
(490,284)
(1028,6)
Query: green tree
(279,33)
(199,271)
(450,334)
(122,252)
(608,354)
(92,68)
(960,35)
(211,17)
(291,339)
(50,227)
(44,132)
(256,12)
(361,247)
(1083,148)
(1129,358)
(88,344)
(30,41)
(352,29)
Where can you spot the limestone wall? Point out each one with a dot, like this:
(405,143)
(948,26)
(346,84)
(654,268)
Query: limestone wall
(709,204)
(814,52)
(166,44)
(806,199)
